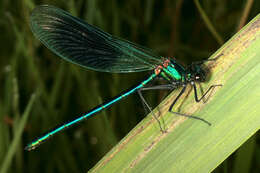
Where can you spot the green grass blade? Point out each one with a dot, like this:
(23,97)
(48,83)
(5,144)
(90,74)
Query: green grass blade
(190,145)
(17,137)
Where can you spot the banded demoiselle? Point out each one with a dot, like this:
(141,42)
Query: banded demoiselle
(83,44)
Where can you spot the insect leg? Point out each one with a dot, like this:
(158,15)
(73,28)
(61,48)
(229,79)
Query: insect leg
(146,105)
(195,91)
(185,115)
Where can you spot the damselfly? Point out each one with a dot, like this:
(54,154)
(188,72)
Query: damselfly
(81,43)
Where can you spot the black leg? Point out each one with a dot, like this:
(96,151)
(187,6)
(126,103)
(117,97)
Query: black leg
(147,111)
(191,116)
(160,87)
(177,98)
(181,114)
(146,105)
(195,91)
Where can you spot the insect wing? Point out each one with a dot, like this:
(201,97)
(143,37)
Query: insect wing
(81,43)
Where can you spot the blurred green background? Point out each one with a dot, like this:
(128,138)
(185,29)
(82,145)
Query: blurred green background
(64,91)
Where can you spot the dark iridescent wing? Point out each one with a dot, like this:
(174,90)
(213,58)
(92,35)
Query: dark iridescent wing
(81,43)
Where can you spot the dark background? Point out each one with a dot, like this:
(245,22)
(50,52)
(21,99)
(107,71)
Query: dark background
(172,28)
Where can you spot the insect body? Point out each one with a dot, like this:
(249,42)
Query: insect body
(83,44)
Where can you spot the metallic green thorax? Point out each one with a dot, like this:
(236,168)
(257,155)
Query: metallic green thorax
(173,71)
